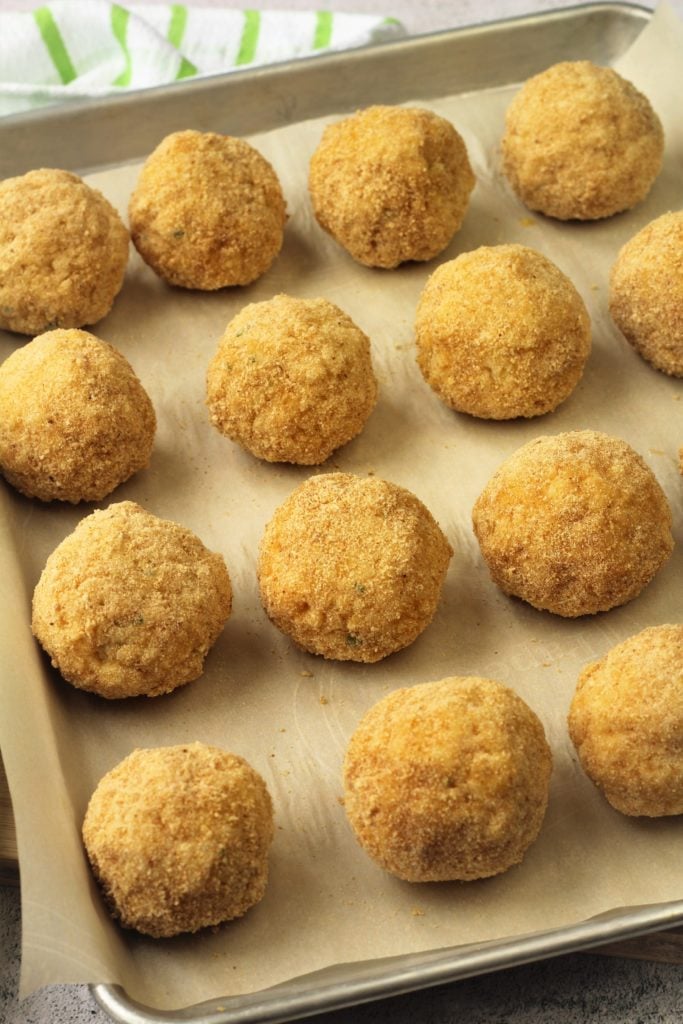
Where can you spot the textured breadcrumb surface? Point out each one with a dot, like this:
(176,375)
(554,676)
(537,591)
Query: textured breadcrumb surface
(130,604)
(352,568)
(63,252)
(292,380)
(574,523)
(178,838)
(626,722)
(391,184)
(447,780)
(581,142)
(207,211)
(75,421)
(501,332)
(646,292)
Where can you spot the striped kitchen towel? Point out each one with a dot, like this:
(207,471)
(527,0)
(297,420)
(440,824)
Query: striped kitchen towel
(71,49)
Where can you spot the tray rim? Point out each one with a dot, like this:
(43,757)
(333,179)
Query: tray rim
(456,963)
(57,121)
(274,1005)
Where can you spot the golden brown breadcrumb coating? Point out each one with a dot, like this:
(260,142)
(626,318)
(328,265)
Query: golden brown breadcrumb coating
(574,524)
(646,292)
(447,780)
(207,211)
(63,252)
(75,421)
(178,838)
(391,184)
(501,332)
(292,380)
(130,604)
(352,568)
(581,142)
(626,722)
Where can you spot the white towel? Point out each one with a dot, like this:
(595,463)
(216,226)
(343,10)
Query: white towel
(71,49)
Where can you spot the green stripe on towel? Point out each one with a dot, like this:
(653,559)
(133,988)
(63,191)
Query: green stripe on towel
(177,25)
(52,37)
(186,69)
(175,35)
(323,29)
(249,40)
(119,26)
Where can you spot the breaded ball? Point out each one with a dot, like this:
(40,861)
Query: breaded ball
(626,722)
(447,781)
(63,252)
(129,604)
(178,838)
(292,380)
(581,142)
(646,293)
(75,421)
(501,332)
(574,524)
(352,567)
(207,211)
(391,184)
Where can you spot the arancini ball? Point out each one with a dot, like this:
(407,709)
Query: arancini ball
(581,142)
(63,252)
(574,523)
(178,838)
(75,421)
(626,722)
(292,380)
(351,567)
(391,184)
(129,604)
(646,292)
(447,781)
(501,332)
(207,211)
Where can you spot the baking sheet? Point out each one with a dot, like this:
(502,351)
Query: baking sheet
(289,713)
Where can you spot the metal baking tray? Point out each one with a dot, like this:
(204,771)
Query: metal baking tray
(95,135)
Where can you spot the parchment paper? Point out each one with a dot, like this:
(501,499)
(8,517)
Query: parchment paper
(288,713)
